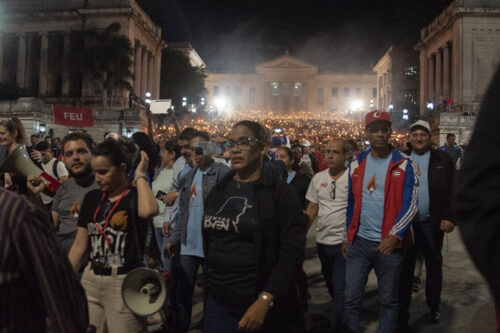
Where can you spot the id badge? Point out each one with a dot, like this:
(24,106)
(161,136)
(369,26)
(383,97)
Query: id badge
(113,259)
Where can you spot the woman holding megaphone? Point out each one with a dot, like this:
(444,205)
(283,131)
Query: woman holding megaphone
(112,225)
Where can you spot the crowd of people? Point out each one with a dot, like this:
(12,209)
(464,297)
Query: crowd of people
(240,213)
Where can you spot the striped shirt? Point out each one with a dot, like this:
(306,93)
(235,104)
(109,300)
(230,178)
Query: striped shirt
(36,279)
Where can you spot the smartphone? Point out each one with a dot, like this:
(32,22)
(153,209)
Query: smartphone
(209,148)
(278,130)
(159,194)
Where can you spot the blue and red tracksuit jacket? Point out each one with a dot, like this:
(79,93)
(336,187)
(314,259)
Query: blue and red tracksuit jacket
(400,196)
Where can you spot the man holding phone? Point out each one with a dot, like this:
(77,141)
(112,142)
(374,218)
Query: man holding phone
(193,190)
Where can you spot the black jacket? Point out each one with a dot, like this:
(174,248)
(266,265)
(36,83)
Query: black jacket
(440,179)
(478,191)
(281,245)
(300,184)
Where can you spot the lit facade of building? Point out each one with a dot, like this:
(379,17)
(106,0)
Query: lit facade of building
(459,53)
(42,41)
(290,84)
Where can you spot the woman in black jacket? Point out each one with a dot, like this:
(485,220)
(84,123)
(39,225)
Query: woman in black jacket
(254,238)
(299,181)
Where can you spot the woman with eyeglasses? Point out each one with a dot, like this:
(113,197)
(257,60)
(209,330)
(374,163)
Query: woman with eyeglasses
(327,195)
(112,225)
(254,239)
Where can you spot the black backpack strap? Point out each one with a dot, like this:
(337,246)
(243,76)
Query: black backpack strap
(54,169)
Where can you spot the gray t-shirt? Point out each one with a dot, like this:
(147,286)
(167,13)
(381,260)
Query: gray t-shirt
(64,199)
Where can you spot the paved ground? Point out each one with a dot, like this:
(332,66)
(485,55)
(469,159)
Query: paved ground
(466,304)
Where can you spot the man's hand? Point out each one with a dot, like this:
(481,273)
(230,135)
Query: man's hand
(344,249)
(171,250)
(35,184)
(36,155)
(165,229)
(254,317)
(387,245)
(447,226)
(169,198)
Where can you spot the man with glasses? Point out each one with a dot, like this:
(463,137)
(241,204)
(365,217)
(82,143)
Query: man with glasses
(382,203)
(327,195)
(194,187)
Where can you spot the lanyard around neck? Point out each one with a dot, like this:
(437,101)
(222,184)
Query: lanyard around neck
(103,230)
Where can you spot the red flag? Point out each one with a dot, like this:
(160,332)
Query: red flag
(73,117)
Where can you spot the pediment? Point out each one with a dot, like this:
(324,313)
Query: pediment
(284,63)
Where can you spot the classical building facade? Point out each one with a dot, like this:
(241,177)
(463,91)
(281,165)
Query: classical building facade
(187,49)
(459,52)
(398,83)
(290,84)
(41,45)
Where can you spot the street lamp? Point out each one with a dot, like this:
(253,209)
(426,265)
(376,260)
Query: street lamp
(184,101)
(430,105)
(391,106)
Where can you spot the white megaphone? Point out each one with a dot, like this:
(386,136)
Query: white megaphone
(143,291)
(19,162)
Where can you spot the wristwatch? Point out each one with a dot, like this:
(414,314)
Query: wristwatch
(141,176)
(266,298)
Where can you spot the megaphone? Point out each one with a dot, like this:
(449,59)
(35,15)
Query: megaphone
(143,291)
(20,163)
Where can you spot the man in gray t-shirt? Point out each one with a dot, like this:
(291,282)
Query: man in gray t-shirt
(65,202)
(77,151)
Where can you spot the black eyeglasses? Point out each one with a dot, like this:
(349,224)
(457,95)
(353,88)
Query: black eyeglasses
(332,190)
(242,143)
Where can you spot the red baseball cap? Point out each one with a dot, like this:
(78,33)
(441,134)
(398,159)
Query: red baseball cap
(376,115)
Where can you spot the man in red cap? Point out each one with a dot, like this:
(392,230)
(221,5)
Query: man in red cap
(381,205)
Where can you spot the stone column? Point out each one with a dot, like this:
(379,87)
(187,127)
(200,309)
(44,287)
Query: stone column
(432,93)
(151,75)
(446,71)
(423,82)
(21,60)
(157,75)
(439,77)
(44,57)
(1,58)
(137,68)
(144,73)
(66,64)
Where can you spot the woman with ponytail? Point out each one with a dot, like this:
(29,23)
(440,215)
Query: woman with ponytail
(112,225)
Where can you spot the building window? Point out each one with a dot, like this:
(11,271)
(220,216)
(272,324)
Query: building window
(411,97)
(410,72)
(216,90)
(251,96)
(374,92)
(358,92)
(227,91)
(321,96)
(237,91)
(346,92)
(335,92)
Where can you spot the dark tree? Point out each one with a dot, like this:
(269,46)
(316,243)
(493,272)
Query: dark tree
(180,79)
(108,60)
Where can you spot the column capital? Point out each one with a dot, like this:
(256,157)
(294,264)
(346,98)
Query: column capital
(43,33)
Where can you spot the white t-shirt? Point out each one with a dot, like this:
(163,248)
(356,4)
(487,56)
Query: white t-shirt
(331,220)
(61,172)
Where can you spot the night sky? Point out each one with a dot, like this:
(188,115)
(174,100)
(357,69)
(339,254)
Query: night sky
(336,35)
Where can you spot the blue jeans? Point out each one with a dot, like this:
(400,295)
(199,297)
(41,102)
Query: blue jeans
(185,280)
(166,263)
(220,318)
(362,255)
(429,239)
(333,269)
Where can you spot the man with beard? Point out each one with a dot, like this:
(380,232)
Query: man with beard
(77,151)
